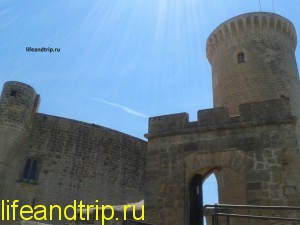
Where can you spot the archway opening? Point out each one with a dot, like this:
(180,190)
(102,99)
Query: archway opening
(216,185)
(210,192)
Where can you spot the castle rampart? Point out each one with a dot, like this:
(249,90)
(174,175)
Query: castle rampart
(52,160)
(253,156)
(251,114)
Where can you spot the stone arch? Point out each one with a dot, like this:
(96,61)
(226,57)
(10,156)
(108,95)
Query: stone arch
(233,159)
(229,168)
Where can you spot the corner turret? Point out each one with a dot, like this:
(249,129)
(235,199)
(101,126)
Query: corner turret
(18,103)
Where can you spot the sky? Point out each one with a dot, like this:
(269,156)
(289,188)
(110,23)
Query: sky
(120,61)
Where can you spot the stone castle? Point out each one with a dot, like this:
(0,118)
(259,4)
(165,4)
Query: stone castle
(250,140)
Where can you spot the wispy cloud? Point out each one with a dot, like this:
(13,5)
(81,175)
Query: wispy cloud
(7,22)
(124,108)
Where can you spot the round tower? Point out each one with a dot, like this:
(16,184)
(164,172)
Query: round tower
(18,103)
(253,59)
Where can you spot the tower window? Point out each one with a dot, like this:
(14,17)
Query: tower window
(13,93)
(241,57)
(30,171)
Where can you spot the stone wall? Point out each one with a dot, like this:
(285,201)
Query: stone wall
(254,153)
(75,161)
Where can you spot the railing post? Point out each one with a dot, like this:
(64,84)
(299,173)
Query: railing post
(216,212)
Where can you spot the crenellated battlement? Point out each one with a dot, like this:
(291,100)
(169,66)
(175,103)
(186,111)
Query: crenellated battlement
(250,23)
(168,122)
(271,111)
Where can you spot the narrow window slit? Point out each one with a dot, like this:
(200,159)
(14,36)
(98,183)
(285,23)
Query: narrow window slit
(240,58)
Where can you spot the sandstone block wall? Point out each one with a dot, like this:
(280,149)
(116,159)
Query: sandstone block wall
(75,160)
(254,157)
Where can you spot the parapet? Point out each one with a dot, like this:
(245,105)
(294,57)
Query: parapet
(168,122)
(251,24)
(251,114)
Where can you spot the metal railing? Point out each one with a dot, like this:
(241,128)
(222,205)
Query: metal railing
(228,211)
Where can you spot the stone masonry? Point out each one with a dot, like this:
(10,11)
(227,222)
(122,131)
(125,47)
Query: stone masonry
(249,140)
(75,160)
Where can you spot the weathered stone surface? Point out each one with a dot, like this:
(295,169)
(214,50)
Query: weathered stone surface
(249,140)
(75,160)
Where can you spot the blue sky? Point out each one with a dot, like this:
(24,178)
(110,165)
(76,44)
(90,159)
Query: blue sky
(121,61)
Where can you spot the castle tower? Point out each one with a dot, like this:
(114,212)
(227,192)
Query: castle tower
(249,140)
(18,103)
(252,59)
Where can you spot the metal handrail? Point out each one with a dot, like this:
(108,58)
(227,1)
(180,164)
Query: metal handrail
(219,207)
(253,207)
(259,217)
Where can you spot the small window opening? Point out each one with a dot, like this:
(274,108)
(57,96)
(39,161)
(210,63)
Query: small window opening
(30,171)
(241,57)
(13,93)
